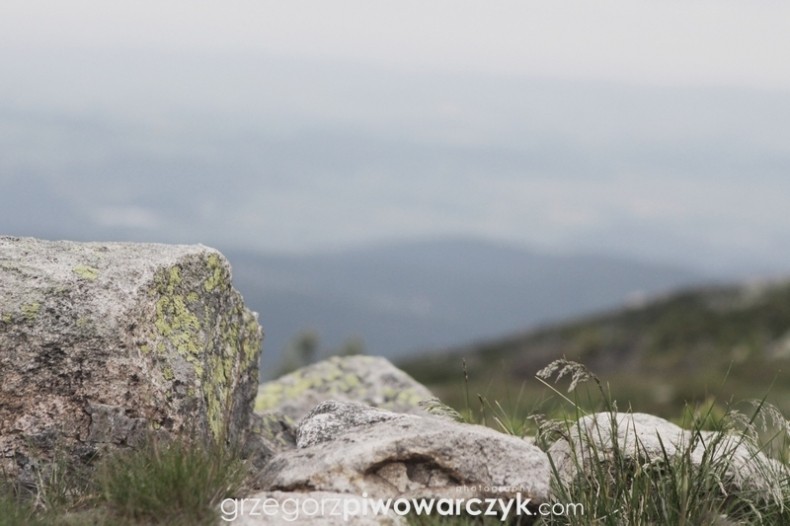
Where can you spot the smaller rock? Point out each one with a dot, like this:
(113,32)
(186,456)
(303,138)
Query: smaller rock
(332,418)
(646,439)
(748,469)
(370,380)
(633,434)
(352,448)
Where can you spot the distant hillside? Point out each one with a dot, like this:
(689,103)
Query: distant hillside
(724,341)
(407,297)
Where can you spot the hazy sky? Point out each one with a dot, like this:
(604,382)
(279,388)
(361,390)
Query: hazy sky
(657,42)
(655,129)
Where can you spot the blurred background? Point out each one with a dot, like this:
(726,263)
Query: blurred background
(508,182)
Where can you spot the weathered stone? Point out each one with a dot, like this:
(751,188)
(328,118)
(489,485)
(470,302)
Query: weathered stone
(370,380)
(352,448)
(277,508)
(366,379)
(746,467)
(102,343)
(275,430)
(646,439)
(331,418)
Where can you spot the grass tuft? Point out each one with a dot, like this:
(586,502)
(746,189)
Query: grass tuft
(721,478)
(178,483)
(729,469)
(175,483)
(15,511)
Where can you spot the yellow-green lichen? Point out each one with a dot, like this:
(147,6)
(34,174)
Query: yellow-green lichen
(332,372)
(251,346)
(408,397)
(270,395)
(350,381)
(218,389)
(175,278)
(389,393)
(7,317)
(145,348)
(30,311)
(218,353)
(167,372)
(214,412)
(175,322)
(86,272)
(216,278)
(302,385)
(179,325)
(199,369)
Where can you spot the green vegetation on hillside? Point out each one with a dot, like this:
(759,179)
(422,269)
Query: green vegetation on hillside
(725,343)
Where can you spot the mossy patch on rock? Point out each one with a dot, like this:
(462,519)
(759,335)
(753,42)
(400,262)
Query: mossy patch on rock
(217,276)
(191,318)
(30,310)
(367,379)
(86,272)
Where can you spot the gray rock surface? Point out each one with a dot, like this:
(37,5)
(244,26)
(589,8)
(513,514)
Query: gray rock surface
(352,448)
(277,508)
(366,379)
(647,439)
(101,343)
(371,380)
(275,431)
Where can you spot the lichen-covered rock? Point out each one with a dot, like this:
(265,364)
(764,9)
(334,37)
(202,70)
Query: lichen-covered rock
(645,439)
(102,343)
(369,380)
(278,508)
(352,448)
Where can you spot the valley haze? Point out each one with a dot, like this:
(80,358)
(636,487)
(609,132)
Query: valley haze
(370,176)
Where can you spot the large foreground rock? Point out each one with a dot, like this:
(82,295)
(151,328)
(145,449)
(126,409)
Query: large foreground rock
(101,344)
(352,448)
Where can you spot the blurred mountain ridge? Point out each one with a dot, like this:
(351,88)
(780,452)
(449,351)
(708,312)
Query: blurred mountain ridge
(404,297)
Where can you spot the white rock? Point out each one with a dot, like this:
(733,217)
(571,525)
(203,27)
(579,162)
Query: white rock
(352,448)
(647,439)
